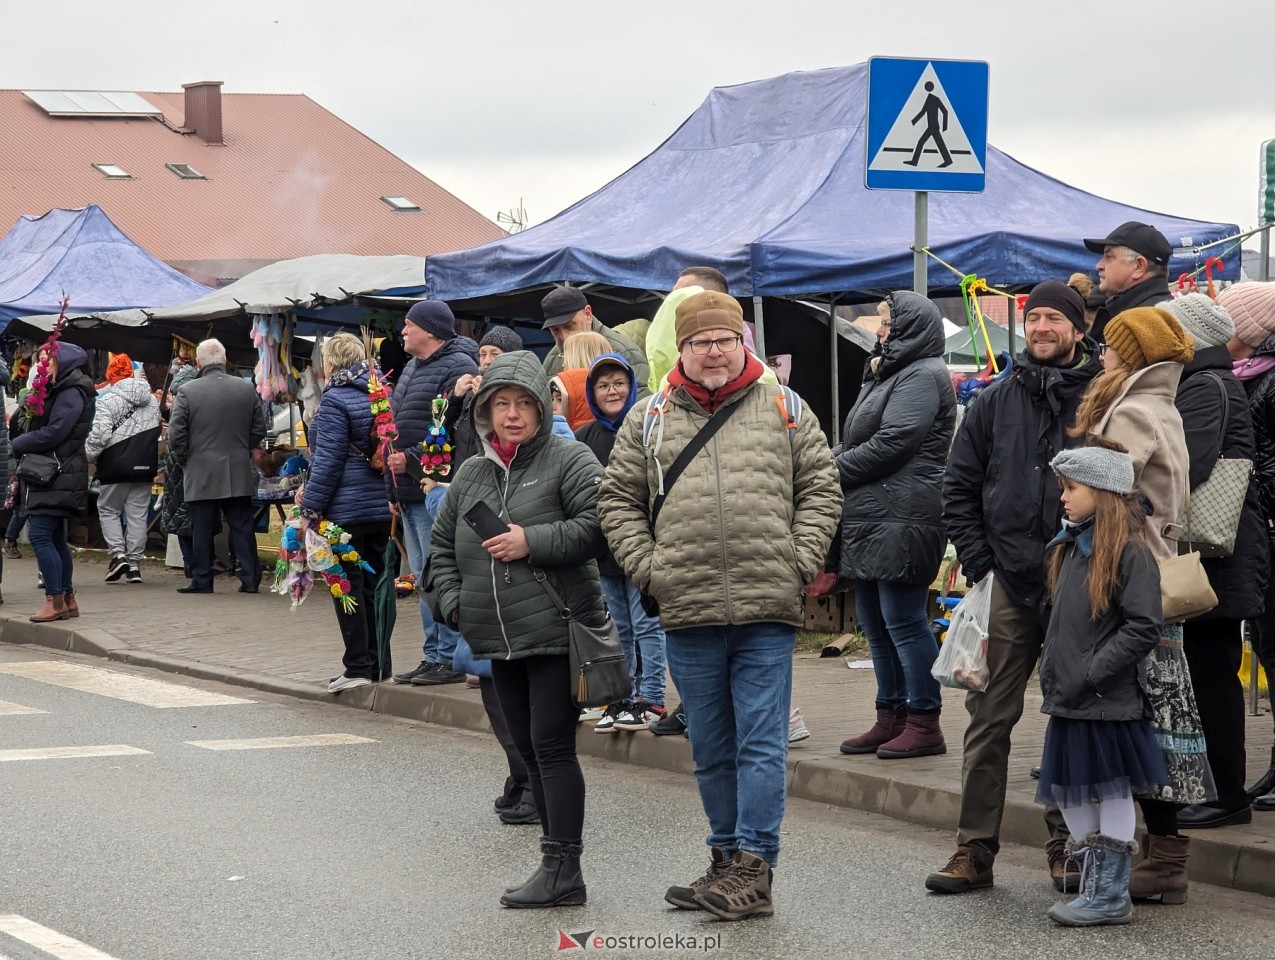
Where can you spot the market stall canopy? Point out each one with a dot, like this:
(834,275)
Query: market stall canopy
(765,182)
(81,254)
(318,289)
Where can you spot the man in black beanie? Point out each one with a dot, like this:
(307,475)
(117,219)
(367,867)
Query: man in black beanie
(438,359)
(1001,507)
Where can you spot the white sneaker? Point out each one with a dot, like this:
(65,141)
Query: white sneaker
(797,730)
(638,718)
(337,684)
(590,714)
(607,723)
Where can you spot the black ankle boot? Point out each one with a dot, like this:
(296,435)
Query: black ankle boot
(1267,782)
(531,879)
(558,882)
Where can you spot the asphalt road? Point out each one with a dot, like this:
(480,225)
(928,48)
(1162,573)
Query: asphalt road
(385,846)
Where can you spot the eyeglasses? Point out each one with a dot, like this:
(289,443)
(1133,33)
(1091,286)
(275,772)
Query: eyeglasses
(1102,349)
(612,386)
(724,344)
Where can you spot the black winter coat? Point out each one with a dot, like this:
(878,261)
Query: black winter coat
(893,451)
(1261,404)
(1000,499)
(1238,580)
(1090,669)
(1148,293)
(61,430)
(412,400)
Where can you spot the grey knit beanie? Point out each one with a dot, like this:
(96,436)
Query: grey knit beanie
(1096,467)
(1205,322)
(503,338)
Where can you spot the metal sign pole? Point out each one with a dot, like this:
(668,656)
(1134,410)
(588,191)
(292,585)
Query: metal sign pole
(1264,269)
(920,282)
(759,334)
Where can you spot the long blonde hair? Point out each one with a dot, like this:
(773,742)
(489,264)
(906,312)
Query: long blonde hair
(1098,399)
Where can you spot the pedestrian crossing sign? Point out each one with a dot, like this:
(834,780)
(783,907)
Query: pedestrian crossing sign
(926,125)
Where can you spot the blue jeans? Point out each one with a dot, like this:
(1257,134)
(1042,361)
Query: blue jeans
(52,555)
(893,615)
(418,524)
(736,687)
(641,637)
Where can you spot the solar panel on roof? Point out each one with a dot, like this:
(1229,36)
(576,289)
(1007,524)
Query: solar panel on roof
(90,103)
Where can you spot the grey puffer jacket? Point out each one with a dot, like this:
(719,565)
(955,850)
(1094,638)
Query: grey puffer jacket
(550,489)
(1090,669)
(894,450)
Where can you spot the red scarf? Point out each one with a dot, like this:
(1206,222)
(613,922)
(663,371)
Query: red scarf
(505,451)
(710,400)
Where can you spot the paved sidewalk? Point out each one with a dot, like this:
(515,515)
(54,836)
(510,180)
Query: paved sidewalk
(257,641)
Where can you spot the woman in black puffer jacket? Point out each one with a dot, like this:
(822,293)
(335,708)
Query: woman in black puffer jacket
(891,465)
(59,429)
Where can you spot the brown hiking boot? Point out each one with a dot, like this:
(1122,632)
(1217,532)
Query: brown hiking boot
(684,897)
(53,609)
(889,725)
(921,737)
(1064,870)
(969,869)
(1163,873)
(744,890)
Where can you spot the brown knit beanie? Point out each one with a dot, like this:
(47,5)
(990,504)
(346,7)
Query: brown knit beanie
(1252,307)
(709,310)
(1145,335)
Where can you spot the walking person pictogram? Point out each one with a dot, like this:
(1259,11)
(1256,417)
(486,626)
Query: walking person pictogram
(930,110)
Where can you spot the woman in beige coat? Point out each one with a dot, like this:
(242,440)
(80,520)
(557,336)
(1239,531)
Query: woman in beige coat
(1132,402)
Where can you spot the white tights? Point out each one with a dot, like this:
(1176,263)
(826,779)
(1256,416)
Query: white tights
(1115,818)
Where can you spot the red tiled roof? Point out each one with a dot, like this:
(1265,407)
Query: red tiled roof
(291,180)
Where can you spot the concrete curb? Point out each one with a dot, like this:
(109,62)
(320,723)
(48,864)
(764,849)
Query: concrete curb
(853,783)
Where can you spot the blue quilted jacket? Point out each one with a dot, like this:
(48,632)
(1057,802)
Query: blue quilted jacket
(342,486)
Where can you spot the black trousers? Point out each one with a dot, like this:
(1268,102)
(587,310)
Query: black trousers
(535,698)
(243,545)
(358,627)
(1214,650)
(518,783)
(1264,637)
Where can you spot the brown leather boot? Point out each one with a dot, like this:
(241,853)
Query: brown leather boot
(72,608)
(921,737)
(53,609)
(1163,873)
(890,723)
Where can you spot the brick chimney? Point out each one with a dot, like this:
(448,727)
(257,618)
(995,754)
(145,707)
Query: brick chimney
(203,110)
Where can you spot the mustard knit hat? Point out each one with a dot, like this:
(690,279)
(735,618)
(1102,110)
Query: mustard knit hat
(1146,335)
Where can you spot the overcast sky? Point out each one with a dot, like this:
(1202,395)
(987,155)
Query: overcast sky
(545,102)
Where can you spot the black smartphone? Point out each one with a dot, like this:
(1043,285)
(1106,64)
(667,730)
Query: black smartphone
(413,467)
(485,521)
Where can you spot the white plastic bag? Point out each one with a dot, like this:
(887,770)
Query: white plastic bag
(962,660)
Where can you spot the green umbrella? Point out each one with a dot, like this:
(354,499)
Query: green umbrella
(387,600)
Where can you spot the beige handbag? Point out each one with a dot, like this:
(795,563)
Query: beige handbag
(1185,591)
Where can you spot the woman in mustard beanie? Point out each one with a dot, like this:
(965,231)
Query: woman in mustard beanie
(1132,402)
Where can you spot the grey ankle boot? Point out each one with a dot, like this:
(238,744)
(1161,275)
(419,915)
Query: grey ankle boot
(558,882)
(1104,884)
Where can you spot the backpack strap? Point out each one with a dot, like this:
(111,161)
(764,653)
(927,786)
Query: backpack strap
(790,408)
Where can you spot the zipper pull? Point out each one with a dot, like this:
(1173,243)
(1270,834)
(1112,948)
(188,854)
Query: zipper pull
(508,575)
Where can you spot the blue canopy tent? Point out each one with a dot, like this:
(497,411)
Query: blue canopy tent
(83,254)
(765,182)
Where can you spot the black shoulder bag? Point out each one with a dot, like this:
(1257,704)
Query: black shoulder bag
(675,470)
(597,661)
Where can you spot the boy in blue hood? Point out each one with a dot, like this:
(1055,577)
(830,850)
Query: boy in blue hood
(611,392)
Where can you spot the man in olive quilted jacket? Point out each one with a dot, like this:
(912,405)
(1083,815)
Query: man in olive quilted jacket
(743,529)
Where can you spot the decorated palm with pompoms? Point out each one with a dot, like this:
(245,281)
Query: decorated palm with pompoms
(312,550)
(436,448)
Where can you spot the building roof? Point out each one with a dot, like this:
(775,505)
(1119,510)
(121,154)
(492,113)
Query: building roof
(290,180)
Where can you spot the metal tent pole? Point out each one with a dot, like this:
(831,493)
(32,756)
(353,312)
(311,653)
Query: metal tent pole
(759,334)
(833,378)
(1013,351)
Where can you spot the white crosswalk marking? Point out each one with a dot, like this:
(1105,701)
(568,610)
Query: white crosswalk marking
(119,686)
(268,743)
(55,944)
(8,709)
(71,753)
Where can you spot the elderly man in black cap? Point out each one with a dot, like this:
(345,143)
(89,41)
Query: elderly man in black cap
(438,359)
(1001,507)
(1132,271)
(566,312)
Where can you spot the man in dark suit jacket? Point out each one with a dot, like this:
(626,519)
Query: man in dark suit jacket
(216,424)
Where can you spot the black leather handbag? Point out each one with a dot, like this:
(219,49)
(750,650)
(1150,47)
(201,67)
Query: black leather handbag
(597,660)
(39,469)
